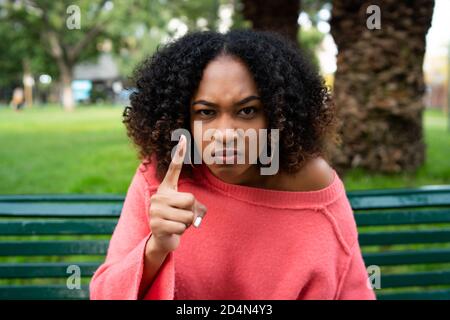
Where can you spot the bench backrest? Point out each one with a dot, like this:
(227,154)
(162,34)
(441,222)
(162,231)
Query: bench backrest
(406,234)
(45,240)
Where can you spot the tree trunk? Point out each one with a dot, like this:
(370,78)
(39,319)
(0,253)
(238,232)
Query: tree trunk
(28,83)
(67,92)
(65,66)
(279,16)
(379,84)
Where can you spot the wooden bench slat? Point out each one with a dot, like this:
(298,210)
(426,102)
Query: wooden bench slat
(402,191)
(62,227)
(380,218)
(415,279)
(407,257)
(53,248)
(48,292)
(421,295)
(405,198)
(62,197)
(92,210)
(45,270)
(404,237)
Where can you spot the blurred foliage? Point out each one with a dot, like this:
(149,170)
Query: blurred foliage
(131,30)
(39,30)
(158,25)
(17,45)
(312,7)
(310,39)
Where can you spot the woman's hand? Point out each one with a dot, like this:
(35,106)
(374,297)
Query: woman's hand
(172,212)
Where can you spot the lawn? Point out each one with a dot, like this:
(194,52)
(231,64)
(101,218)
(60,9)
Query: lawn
(46,150)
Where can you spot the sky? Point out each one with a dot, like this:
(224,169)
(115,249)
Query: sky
(437,58)
(438,36)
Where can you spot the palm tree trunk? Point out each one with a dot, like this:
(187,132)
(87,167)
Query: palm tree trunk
(280,16)
(67,92)
(379,84)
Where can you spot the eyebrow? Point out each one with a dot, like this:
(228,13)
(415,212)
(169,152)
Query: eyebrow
(239,103)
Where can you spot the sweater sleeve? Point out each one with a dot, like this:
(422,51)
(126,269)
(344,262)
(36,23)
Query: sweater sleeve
(354,284)
(119,277)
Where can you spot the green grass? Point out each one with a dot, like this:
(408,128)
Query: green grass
(46,150)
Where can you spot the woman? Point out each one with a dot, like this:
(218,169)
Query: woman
(215,230)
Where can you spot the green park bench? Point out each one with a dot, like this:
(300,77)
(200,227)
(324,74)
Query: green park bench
(404,232)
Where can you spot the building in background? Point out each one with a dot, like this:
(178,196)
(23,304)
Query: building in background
(98,82)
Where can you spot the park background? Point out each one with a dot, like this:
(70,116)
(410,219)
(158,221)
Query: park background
(387,63)
(75,63)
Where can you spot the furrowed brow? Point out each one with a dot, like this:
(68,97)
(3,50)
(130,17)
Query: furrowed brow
(239,103)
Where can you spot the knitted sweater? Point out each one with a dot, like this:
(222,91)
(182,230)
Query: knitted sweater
(253,243)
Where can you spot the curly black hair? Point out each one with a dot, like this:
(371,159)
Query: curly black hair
(294,96)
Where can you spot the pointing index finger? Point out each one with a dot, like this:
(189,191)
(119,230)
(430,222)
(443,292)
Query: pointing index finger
(175,166)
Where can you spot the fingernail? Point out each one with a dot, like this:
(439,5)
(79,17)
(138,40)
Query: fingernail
(180,145)
(197,221)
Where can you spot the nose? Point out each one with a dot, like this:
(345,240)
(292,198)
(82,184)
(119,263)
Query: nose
(225,132)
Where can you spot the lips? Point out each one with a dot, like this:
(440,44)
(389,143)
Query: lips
(225,152)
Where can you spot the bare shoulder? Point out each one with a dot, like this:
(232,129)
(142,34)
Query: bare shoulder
(316,174)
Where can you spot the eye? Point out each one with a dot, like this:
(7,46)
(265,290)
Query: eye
(248,112)
(205,112)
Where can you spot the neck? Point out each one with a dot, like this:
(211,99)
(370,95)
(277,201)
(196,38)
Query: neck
(252,178)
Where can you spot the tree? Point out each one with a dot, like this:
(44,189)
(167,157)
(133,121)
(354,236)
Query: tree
(379,83)
(279,16)
(141,36)
(71,31)
(18,56)
(135,28)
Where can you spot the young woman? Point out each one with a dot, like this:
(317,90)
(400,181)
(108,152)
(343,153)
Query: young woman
(215,230)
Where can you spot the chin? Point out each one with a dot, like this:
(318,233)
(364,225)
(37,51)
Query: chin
(231,173)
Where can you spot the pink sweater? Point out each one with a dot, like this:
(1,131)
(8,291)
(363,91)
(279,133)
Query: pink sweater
(252,244)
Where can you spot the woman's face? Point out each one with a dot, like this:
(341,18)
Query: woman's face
(227,98)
